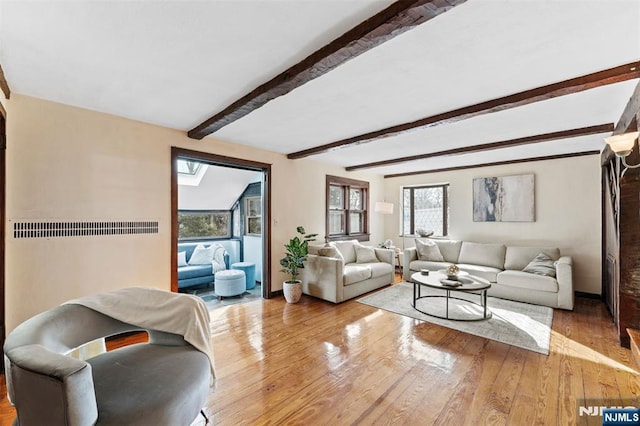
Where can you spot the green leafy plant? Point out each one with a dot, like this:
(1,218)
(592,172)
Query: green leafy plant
(296,254)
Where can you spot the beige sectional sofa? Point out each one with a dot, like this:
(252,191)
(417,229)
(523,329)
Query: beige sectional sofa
(503,267)
(346,269)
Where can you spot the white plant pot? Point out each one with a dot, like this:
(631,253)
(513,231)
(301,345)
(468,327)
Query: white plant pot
(292,291)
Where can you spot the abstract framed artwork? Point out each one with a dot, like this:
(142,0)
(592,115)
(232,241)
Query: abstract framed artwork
(504,199)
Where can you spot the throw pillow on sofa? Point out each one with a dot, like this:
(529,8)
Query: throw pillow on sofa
(541,265)
(346,249)
(182,258)
(330,252)
(365,254)
(202,255)
(428,250)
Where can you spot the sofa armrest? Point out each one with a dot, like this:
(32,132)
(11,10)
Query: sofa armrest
(385,255)
(323,277)
(409,255)
(226,260)
(564,276)
(41,379)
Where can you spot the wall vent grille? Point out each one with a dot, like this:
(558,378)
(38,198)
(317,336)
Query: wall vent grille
(47,229)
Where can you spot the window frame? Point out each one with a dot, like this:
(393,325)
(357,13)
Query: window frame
(247,202)
(445,208)
(347,184)
(209,238)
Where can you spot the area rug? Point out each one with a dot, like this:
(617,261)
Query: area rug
(518,324)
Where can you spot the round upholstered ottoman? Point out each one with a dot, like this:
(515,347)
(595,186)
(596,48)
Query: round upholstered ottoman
(230,282)
(249,269)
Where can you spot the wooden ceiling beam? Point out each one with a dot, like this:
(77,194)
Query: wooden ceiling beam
(497,163)
(563,134)
(543,93)
(396,19)
(4,85)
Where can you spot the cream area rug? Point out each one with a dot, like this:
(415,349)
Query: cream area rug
(518,324)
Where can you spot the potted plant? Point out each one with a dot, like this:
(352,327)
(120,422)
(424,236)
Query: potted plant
(296,254)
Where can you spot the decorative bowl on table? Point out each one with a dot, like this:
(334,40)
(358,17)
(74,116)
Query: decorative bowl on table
(452,272)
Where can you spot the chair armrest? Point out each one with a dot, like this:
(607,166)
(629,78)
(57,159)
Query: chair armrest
(41,379)
(564,276)
(385,255)
(409,255)
(226,260)
(323,277)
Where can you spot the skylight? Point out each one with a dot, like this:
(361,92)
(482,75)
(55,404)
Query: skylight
(190,173)
(187,167)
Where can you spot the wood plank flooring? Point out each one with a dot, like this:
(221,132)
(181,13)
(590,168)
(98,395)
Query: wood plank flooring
(316,363)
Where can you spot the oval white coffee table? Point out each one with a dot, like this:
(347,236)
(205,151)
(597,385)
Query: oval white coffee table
(468,284)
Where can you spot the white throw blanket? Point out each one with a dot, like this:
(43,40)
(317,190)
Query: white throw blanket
(218,258)
(159,310)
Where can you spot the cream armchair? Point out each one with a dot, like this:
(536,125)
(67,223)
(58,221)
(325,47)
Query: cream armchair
(346,269)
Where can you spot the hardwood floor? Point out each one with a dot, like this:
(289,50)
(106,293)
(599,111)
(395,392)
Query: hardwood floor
(318,363)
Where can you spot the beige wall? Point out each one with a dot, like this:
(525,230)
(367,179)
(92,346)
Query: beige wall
(66,163)
(567,203)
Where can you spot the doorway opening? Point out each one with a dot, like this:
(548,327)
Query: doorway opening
(220,207)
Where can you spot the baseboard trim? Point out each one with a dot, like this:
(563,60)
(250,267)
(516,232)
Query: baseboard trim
(588,295)
(276,293)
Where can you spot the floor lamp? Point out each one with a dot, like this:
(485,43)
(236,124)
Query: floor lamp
(385,208)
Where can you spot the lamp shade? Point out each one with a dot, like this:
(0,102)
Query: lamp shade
(384,208)
(622,144)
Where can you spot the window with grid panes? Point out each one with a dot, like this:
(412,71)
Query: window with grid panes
(427,208)
(347,209)
(203,224)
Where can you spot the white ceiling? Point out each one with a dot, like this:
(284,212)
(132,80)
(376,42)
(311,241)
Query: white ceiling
(177,63)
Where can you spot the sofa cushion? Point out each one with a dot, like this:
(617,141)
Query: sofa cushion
(379,269)
(149,384)
(365,254)
(482,254)
(541,265)
(517,258)
(487,272)
(182,258)
(417,265)
(193,271)
(346,249)
(519,279)
(428,250)
(449,249)
(354,273)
